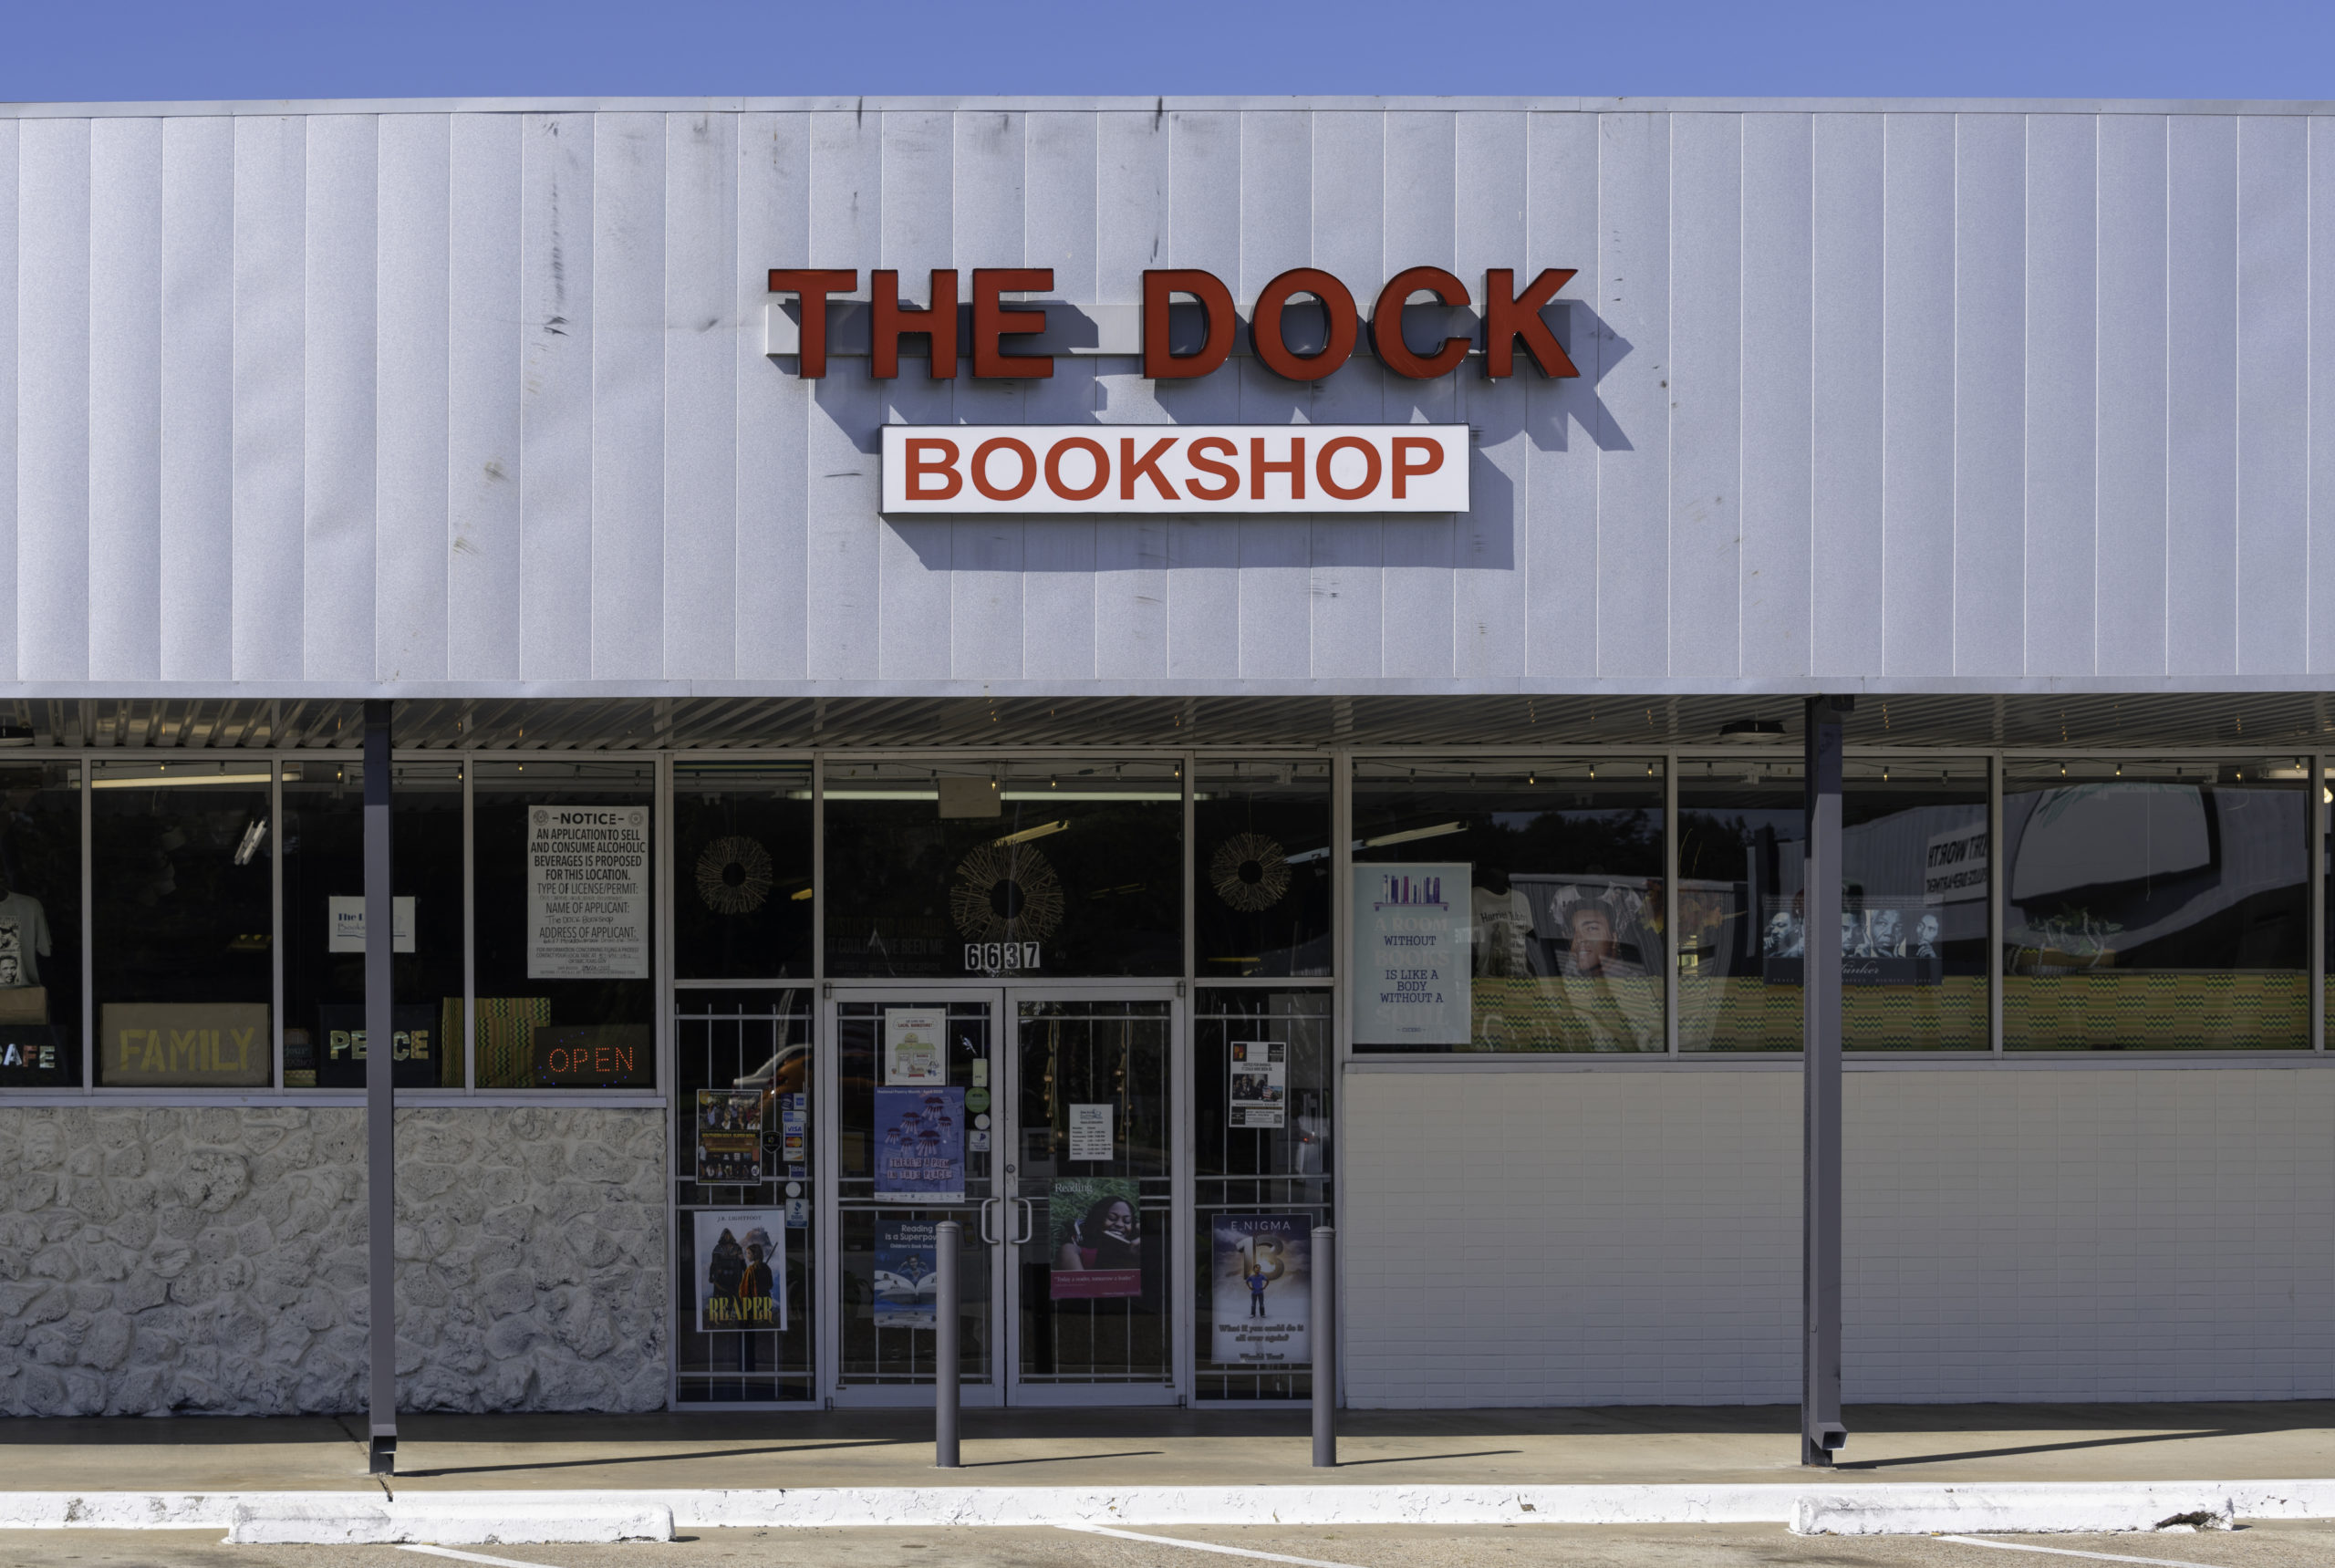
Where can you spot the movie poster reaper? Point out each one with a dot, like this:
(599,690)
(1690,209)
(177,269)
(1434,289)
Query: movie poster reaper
(740,1270)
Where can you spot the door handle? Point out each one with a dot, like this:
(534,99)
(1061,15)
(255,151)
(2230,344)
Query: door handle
(1029,1222)
(987,1204)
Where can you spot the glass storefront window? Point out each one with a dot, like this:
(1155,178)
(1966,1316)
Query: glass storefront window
(40,926)
(744,1213)
(1508,906)
(1261,867)
(2155,905)
(324,936)
(563,871)
(1913,904)
(1262,1063)
(742,848)
(1074,868)
(183,913)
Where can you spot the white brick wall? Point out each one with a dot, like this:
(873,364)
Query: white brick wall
(1612,1237)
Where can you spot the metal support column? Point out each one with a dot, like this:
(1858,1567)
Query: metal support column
(380,1128)
(1821,1431)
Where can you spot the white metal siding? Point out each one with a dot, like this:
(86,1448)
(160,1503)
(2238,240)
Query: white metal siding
(1912,398)
(1622,1236)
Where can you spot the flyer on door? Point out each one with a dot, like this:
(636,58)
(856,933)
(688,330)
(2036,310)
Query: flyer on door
(1094,1224)
(1262,1290)
(1260,1088)
(728,1138)
(742,1269)
(907,1272)
(921,1144)
(912,1047)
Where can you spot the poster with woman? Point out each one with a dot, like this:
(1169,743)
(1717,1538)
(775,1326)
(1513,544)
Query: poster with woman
(740,1270)
(1095,1231)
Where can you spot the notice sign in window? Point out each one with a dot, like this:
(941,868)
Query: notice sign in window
(587,892)
(1098,469)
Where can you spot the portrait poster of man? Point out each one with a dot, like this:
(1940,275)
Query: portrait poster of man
(740,1270)
(1262,1290)
(908,1273)
(1095,1227)
(728,1138)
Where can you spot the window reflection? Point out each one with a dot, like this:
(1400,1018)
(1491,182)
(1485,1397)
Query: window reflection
(741,839)
(2155,905)
(1032,868)
(1261,867)
(1508,906)
(1913,904)
(40,927)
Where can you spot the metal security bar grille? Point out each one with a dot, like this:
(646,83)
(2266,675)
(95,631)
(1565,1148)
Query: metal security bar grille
(741,1187)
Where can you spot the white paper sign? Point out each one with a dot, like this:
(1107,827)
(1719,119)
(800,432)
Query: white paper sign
(347,915)
(1410,954)
(912,1042)
(1260,1088)
(1090,1132)
(587,892)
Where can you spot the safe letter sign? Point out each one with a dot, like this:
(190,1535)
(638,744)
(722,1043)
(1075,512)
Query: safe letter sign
(1185,470)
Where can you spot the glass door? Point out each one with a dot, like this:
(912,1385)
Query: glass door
(1096,1185)
(915,1101)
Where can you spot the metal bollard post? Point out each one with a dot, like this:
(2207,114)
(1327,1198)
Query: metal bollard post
(1323,1336)
(944,1348)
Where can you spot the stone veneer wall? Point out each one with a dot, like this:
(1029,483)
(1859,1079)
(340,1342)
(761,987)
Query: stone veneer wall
(212,1260)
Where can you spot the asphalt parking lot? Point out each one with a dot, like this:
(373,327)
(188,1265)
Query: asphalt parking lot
(2280,1544)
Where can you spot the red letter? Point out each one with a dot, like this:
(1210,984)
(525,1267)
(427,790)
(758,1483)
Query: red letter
(1404,468)
(1508,316)
(919,466)
(887,322)
(1264,324)
(814,284)
(1386,324)
(1295,467)
(1369,468)
(1159,362)
(1147,465)
(1093,450)
(993,321)
(1224,471)
(980,468)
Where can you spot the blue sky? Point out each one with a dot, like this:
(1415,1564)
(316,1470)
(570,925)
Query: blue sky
(52,50)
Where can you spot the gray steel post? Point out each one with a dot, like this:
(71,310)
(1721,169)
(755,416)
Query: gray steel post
(1821,1431)
(1323,1336)
(945,1324)
(380,1128)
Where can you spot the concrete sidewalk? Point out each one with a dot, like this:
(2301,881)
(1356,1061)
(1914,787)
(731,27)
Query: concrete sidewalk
(1628,1446)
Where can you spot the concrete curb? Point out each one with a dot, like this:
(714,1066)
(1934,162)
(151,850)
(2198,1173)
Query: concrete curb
(334,1520)
(1834,1506)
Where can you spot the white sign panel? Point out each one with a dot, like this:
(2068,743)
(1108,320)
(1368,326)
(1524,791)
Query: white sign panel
(1090,1132)
(912,1038)
(587,892)
(1410,955)
(1186,470)
(1955,866)
(348,915)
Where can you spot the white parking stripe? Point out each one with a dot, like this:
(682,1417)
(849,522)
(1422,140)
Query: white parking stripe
(473,1557)
(2071,1551)
(1205,1546)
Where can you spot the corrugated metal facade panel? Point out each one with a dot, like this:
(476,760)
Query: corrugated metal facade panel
(475,400)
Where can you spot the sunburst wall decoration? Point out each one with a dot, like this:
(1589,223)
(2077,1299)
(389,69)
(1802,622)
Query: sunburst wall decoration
(1250,872)
(1005,892)
(733,876)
